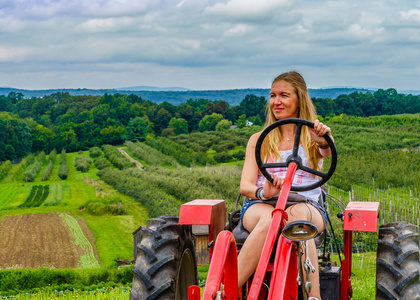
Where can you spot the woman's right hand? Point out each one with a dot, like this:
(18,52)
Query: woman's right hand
(272,189)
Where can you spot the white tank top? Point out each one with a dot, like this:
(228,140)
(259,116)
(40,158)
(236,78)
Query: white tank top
(301,177)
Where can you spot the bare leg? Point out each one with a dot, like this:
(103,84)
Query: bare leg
(309,213)
(257,220)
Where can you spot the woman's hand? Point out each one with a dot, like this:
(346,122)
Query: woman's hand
(272,189)
(318,132)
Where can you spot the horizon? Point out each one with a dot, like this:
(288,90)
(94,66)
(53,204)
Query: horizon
(183,89)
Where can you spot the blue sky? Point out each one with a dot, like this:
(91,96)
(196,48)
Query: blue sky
(203,44)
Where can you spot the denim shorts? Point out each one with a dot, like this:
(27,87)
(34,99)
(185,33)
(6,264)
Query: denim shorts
(249,202)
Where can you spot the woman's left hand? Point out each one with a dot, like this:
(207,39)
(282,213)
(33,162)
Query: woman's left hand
(318,132)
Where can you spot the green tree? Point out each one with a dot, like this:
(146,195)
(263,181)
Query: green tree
(162,120)
(136,130)
(241,122)
(43,138)
(252,105)
(179,125)
(112,135)
(223,125)
(209,122)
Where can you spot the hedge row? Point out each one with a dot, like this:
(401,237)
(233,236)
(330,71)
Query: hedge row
(149,154)
(51,160)
(82,163)
(116,158)
(4,169)
(95,152)
(101,163)
(153,198)
(63,170)
(105,206)
(182,154)
(18,281)
(33,170)
(20,168)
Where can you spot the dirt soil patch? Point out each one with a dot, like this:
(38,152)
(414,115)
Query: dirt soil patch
(35,241)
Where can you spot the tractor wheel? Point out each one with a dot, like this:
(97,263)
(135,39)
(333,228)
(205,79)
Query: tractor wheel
(397,265)
(166,264)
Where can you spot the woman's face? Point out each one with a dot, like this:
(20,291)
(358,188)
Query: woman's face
(283,100)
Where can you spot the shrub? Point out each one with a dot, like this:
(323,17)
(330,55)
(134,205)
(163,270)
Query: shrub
(101,163)
(63,170)
(48,171)
(82,163)
(60,279)
(34,169)
(239,155)
(4,169)
(95,152)
(110,206)
(116,158)
(222,157)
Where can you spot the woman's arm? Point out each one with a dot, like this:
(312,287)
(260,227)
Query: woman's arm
(250,170)
(317,134)
(250,174)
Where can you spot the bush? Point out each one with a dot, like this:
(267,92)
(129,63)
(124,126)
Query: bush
(95,152)
(33,170)
(239,155)
(116,158)
(4,169)
(82,163)
(60,279)
(63,170)
(110,206)
(222,157)
(101,163)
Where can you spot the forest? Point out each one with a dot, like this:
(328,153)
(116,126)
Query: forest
(62,121)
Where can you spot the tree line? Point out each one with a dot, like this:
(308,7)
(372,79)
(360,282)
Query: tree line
(61,121)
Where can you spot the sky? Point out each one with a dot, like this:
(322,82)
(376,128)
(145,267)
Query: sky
(208,45)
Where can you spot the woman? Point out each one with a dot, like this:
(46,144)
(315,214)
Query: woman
(288,99)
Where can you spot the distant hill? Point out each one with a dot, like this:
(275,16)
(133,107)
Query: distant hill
(232,97)
(152,88)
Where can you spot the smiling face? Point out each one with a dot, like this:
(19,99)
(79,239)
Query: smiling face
(284,102)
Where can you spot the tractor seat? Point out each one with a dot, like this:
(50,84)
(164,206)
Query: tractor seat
(241,234)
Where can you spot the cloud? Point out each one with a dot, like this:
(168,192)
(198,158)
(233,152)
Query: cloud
(226,43)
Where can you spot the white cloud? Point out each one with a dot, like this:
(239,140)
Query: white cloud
(221,44)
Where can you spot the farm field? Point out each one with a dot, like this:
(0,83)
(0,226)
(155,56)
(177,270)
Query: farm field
(44,240)
(46,220)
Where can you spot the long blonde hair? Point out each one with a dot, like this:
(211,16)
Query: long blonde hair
(306,110)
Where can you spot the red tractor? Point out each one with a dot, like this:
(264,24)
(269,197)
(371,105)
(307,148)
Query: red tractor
(166,262)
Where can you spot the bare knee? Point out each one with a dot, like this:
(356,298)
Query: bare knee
(298,212)
(263,226)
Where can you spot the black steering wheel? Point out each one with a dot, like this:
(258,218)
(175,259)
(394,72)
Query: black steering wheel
(294,157)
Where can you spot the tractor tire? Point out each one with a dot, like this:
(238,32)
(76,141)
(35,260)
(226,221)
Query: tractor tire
(166,263)
(397,264)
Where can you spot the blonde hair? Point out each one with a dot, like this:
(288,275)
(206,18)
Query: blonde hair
(306,110)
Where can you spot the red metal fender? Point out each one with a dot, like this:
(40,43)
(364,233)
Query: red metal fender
(205,212)
(361,216)
(358,216)
(225,262)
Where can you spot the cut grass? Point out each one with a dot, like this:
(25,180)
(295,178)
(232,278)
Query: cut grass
(87,259)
